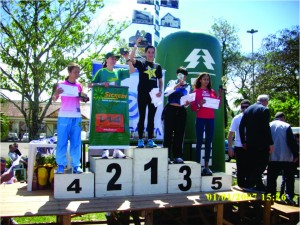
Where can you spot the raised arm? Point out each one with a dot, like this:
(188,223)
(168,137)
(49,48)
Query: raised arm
(132,53)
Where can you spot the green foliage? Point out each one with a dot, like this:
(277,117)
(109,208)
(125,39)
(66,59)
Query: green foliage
(39,39)
(230,50)
(290,108)
(52,219)
(42,159)
(4,124)
(278,68)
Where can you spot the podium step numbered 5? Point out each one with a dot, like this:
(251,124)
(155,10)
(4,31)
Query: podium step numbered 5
(145,171)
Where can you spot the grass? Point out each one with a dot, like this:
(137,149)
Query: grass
(52,219)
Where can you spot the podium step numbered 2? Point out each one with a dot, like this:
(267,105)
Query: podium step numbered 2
(145,171)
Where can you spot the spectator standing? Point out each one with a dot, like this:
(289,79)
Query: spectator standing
(239,152)
(205,117)
(175,115)
(149,74)
(283,158)
(256,138)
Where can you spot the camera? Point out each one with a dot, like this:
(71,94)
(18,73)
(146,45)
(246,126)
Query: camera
(83,98)
(123,51)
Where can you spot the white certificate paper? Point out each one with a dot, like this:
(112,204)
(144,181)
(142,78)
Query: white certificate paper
(190,97)
(70,91)
(211,103)
(154,99)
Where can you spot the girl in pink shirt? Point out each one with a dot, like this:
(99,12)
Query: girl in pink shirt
(205,118)
(69,119)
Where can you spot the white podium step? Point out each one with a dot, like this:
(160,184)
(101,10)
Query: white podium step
(216,182)
(184,177)
(113,177)
(74,185)
(150,170)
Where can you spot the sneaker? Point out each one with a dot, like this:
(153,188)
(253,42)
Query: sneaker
(290,201)
(151,144)
(77,169)
(206,172)
(141,143)
(178,161)
(118,154)
(105,154)
(169,161)
(12,221)
(60,169)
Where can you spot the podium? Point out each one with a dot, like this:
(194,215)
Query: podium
(145,171)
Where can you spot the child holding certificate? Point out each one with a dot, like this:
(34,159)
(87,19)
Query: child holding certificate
(204,117)
(69,119)
(175,115)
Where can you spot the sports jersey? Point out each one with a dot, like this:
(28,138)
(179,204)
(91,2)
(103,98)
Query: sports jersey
(105,75)
(149,73)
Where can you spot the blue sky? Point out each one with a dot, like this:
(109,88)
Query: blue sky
(267,16)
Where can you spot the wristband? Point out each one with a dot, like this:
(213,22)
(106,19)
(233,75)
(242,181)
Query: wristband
(128,60)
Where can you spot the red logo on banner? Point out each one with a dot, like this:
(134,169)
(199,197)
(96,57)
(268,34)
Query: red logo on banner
(110,123)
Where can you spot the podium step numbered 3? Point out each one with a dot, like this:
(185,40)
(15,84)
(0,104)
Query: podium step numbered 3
(145,171)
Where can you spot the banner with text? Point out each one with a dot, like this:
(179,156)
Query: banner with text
(109,125)
(132,83)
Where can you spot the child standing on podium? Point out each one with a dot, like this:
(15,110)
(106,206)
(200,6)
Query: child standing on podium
(108,75)
(69,119)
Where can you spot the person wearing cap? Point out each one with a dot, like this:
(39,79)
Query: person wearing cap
(256,138)
(108,75)
(239,152)
(149,73)
(174,115)
(283,158)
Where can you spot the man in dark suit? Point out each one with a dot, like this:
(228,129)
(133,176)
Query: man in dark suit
(256,138)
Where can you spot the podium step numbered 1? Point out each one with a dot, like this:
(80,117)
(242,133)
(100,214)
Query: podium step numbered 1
(145,171)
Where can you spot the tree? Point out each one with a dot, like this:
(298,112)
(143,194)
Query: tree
(4,123)
(278,73)
(230,49)
(289,106)
(279,65)
(38,40)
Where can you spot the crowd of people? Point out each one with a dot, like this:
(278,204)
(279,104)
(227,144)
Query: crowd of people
(260,145)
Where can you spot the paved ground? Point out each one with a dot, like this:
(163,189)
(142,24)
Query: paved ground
(23,146)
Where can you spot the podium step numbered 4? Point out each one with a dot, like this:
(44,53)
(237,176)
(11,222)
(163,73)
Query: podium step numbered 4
(145,171)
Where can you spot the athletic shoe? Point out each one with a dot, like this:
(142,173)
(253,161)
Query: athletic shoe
(178,161)
(12,221)
(77,169)
(118,154)
(60,169)
(206,172)
(105,154)
(141,143)
(151,144)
